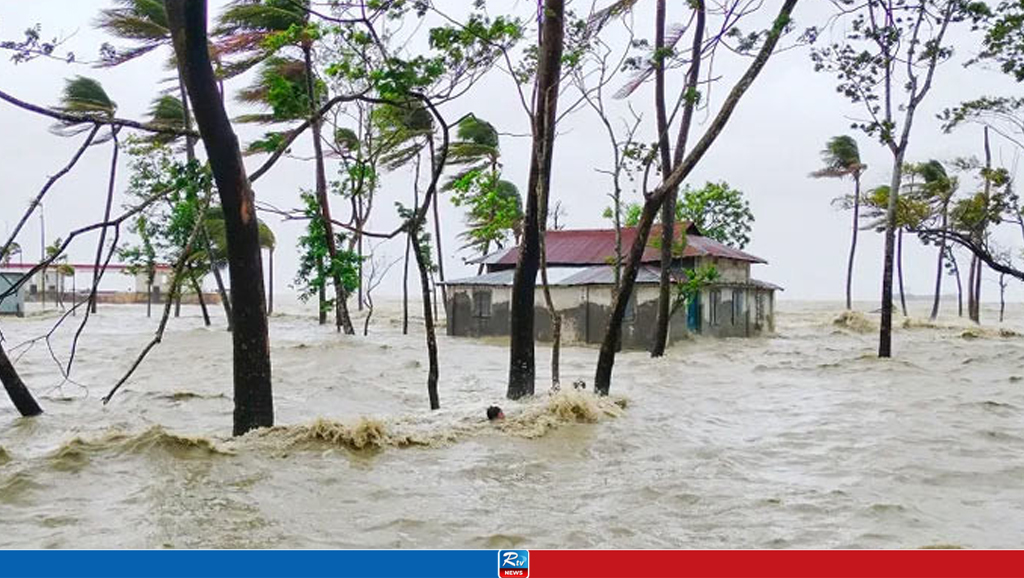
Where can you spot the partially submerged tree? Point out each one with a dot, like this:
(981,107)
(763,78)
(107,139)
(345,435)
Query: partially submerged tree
(886,63)
(254,406)
(654,199)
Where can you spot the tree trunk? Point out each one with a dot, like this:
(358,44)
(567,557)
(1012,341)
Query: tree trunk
(668,210)
(405,289)
(149,300)
(970,287)
(322,300)
(853,240)
(253,397)
(899,270)
(977,291)
(428,316)
(939,268)
(885,327)
(20,396)
(653,201)
(106,218)
(437,241)
(1002,296)
(522,370)
(270,279)
(177,304)
(959,285)
(225,301)
(199,296)
(341,316)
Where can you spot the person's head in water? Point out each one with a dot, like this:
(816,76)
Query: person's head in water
(494,412)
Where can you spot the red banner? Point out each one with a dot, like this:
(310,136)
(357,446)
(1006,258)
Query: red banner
(776,564)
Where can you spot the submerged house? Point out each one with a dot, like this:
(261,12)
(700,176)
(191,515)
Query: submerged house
(581,278)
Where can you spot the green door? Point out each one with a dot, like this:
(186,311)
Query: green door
(693,314)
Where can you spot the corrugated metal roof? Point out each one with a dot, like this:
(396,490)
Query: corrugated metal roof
(597,275)
(597,247)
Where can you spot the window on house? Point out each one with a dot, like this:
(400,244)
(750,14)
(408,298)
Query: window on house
(481,304)
(630,314)
(33,289)
(759,306)
(716,302)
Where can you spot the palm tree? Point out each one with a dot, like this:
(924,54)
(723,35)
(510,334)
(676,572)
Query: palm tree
(911,211)
(13,249)
(842,159)
(269,242)
(86,96)
(937,188)
(243,28)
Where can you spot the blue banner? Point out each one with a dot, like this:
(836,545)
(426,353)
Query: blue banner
(250,564)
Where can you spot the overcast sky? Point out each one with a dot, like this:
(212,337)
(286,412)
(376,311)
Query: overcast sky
(767,150)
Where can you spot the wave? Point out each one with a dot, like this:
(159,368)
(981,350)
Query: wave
(537,418)
(4,456)
(77,450)
(188,395)
(854,321)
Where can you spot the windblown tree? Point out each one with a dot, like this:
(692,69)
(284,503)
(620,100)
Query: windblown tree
(654,199)
(143,23)
(886,63)
(911,212)
(932,184)
(841,158)
(256,31)
(254,406)
(493,205)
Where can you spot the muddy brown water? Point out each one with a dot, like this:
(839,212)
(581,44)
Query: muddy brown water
(804,439)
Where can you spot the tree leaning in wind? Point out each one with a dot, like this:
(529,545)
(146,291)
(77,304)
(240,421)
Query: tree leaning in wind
(144,23)
(841,157)
(256,30)
(886,62)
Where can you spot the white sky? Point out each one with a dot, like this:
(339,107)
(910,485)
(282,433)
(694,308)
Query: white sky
(767,151)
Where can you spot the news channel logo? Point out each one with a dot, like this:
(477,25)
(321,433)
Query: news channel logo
(513,563)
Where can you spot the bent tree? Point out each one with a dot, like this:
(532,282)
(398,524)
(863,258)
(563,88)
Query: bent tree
(842,159)
(654,200)
(886,62)
(254,403)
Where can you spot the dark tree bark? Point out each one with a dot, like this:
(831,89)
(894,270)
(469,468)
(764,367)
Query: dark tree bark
(16,389)
(959,285)
(899,270)
(428,316)
(225,301)
(853,240)
(405,289)
(341,316)
(977,292)
(653,201)
(939,268)
(888,258)
(199,296)
(522,369)
(668,210)
(253,396)
(970,288)
(149,300)
(106,217)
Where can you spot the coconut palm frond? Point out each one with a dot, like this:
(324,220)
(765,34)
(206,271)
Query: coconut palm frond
(599,19)
(262,16)
(464,152)
(267,239)
(167,110)
(86,96)
(449,184)
(478,131)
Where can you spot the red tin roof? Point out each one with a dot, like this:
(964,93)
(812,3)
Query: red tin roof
(597,247)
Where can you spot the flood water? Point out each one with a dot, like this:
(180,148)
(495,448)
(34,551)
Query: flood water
(804,439)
